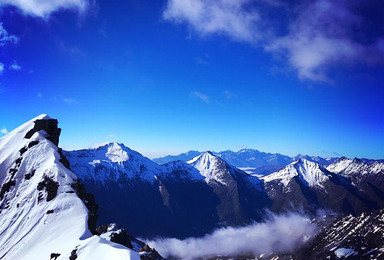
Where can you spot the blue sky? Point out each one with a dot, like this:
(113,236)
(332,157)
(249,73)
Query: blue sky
(165,77)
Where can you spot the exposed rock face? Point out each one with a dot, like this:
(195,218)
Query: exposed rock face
(50,186)
(49,126)
(359,237)
(118,235)
(89,201)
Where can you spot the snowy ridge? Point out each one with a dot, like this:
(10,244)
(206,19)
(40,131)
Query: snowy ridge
(312,173)
(211,167)
(112,162)
(40,213)
(348,167)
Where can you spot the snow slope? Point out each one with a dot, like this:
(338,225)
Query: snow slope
(312,173)
(36,221)
(213,168)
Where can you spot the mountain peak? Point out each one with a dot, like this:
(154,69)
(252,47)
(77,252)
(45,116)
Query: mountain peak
(310,172)
(116,152)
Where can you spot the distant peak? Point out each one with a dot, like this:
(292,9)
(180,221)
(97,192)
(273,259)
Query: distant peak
(116,153)
(204,156)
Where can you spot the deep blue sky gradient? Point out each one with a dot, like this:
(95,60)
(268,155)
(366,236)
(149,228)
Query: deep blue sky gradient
(122,73)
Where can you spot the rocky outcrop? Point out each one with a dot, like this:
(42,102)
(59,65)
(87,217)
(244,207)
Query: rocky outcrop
(49,126)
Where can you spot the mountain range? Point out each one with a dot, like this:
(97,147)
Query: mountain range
(165,196)
(49,195)
(250,160)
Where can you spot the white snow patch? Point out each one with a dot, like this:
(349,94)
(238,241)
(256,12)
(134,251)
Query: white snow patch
(344,252)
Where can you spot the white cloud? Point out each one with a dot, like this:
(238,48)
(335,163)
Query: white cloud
(280,234)
(203,97)
(70,100)
(43,8)
(111,136)
(229,17)
(4,130)
(14,66)
(5,37)
(320,34)
(1,68)
(39,95)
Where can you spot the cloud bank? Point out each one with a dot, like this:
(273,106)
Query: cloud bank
(43,8)
(311,35)
(280,234)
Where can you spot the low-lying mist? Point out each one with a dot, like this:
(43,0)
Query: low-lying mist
(279,234)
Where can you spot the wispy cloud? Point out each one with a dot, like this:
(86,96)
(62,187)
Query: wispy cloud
(44,8)
(227,17)
(201,61)
(203,97)
(14,66)
(4,130)
(320,34)
(111,136)
(228,94)
(280,234)
(1,68)
(73,51)
(39,95)
(70,100)
(5,38)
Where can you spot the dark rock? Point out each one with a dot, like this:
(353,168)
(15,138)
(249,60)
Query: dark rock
(18,161)
(23,150)
(146,248)
(50,211)
(64,159)
(54,256)
(101,229)
(29,175)
(40,197)
(89,201)
(73,254)
(121,238)
(49,126)
(32,143)
(6,187)
(151,254)
(50,186)
(12,171)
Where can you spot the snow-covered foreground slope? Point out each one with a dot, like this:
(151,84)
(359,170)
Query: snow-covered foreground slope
(40,212)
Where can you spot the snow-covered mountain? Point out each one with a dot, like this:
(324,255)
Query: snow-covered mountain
(352,167)
(181,157)
(311,186)
(112,162)
(224,194)
(250,160)
(44,213)
(311,173)
(172,190)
